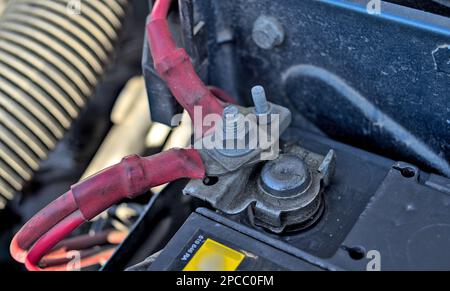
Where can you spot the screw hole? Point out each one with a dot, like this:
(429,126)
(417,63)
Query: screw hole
(210,180)
(408,172)
(356,253)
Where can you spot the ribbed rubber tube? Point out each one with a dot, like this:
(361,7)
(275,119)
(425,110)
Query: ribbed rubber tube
(52,54)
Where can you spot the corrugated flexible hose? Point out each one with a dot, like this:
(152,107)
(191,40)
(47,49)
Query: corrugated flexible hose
(52,54)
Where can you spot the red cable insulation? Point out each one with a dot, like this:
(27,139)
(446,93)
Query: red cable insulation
(40,223)
(51,238)
(63,257)
(128,179)
(161,9)
(85,261)
(87,241)
(62,260)
(175,68)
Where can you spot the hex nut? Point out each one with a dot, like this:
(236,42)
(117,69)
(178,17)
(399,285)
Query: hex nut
(267,32)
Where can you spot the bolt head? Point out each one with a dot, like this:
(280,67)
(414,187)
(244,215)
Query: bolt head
(285,177)
(267,32)
(442,59)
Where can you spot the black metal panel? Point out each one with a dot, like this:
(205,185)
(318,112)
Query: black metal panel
(395,62)
(407,222)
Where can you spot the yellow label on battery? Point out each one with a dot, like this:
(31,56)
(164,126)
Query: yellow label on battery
(214,256)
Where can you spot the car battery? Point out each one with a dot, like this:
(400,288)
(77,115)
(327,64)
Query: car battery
(379,215)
